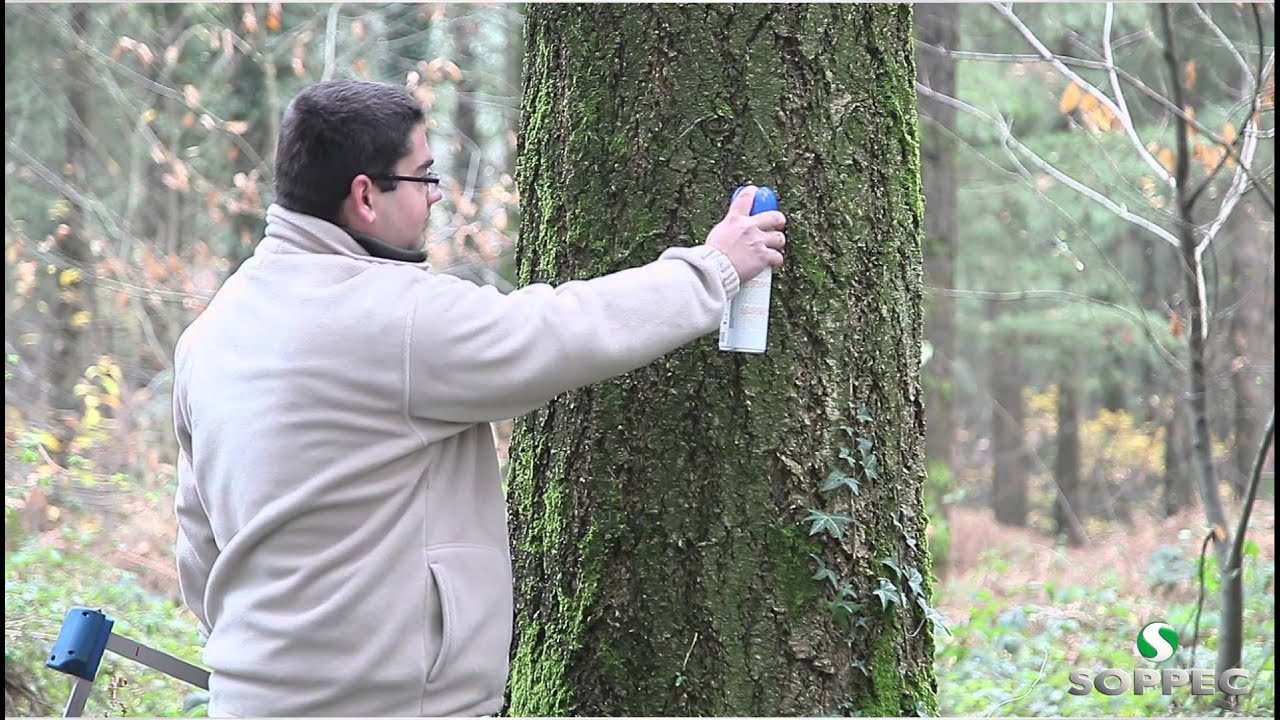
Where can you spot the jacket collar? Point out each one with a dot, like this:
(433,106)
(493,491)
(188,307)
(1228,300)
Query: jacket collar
(294,232)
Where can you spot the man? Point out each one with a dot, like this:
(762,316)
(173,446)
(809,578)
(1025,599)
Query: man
(342,529)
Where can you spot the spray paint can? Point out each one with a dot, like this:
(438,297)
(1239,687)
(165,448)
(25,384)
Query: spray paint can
(745,324)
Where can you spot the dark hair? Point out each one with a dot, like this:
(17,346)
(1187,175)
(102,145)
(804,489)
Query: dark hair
(335,130)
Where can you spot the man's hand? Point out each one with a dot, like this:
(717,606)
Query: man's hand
(751,242)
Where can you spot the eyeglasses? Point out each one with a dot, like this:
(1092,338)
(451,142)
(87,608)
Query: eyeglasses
(431,179)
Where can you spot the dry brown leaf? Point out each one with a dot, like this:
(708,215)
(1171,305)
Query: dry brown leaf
(1176,328)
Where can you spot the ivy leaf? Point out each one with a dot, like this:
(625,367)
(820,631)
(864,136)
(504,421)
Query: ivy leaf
(824,572)
(893,562)
(839,478)
(916,582)
(843,610)
(888,594)
(848,457)
(832,524)
(935,617)
(864,447)
(835,479)
(871,468)
(864,415)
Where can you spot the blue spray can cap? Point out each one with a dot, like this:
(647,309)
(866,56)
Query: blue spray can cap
(765,200)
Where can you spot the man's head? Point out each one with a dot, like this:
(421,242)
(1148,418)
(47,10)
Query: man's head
(339,142)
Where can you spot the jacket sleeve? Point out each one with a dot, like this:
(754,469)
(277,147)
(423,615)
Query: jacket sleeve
(475,355)
(196,548)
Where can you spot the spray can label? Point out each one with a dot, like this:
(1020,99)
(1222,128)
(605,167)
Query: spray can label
(745,324)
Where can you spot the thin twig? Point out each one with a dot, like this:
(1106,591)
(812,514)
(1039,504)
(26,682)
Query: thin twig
(1006,134)
(330,41)
(1122,117)
(1231,148)
(1025,693)
(1195,634)
(1255,479)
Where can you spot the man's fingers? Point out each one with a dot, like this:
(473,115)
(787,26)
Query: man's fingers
(775,240)
(774,258)
(741,204)
(771,220)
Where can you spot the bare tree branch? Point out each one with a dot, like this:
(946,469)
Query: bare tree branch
(1255,478)
(1245,73)
(330,41)
(105,61)
(1242,180)
(1230,147)
(1122,115)
(1119,210)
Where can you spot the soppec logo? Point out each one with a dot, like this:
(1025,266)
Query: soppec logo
(1157,642)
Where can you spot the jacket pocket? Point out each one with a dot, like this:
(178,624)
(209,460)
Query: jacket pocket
(473,584)
(444,595)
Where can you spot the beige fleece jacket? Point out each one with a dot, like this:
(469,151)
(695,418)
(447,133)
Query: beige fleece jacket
(342,530)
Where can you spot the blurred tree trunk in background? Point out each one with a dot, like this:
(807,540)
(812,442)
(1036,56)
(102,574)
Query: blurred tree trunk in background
(663,522)
(1008,447)
(253,100)
(936,25)
(1177,470)
(513,68)
(1251,341)
(1152,298)
(467,153)
(1068,510)
(75,306)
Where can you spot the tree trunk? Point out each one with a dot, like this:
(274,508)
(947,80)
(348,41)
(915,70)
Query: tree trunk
(1151,373)
(935,24)
(1068,509)
(1009,455)
(1177,476)
(1193,282)
(1252,343)
(664,557)
(74,306)
(467,152)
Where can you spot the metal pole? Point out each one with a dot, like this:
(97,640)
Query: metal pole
(163,662)
(79,694)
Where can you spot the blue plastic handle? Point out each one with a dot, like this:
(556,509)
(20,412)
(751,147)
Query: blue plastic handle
(765,200)
(81,642)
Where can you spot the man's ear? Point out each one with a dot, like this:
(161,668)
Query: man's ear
(358,206)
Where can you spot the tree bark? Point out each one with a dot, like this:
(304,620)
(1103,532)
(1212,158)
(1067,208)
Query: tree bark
(1009,453)
(664,562)
(1068,509)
